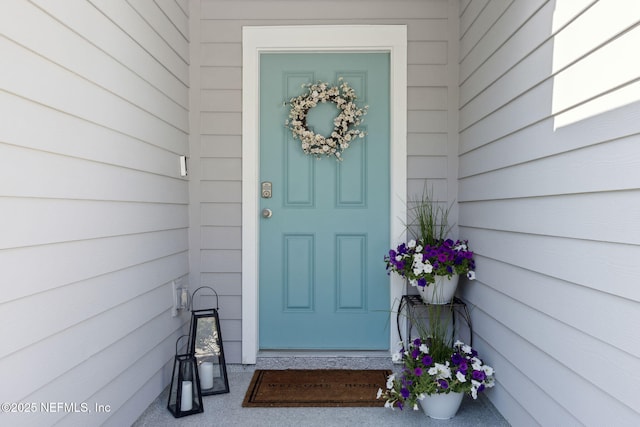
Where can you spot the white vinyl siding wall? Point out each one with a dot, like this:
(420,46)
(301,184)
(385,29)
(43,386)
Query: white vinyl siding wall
(551,211)
(94,213)
(432,120)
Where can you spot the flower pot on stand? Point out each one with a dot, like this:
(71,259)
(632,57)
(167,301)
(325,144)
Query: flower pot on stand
(441,406)
(440,292)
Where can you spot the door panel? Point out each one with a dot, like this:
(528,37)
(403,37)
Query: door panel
(322,282)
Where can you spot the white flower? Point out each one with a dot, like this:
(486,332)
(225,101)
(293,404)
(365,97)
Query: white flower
(461,377)
(411,244)
(379,393)
(467,349)
(390,380)
(471,275)
(488,370)
(415,407)
(458,343)
(460,247)
(424,349)
(396,357)
(441,371)
(421,396)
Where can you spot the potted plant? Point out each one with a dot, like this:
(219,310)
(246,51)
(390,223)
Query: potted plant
(436,376)
(430,258)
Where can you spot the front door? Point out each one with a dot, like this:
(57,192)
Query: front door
(322,282)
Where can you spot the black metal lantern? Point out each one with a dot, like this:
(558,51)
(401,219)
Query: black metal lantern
(206,346)
(184,394)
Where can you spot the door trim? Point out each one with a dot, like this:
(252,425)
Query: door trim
(316,38)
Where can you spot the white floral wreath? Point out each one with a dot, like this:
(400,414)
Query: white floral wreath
(344,125)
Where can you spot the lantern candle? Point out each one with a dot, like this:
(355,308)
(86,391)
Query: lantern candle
(186,404)
(205,370)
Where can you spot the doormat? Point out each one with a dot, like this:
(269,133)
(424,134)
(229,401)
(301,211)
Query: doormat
(315,388)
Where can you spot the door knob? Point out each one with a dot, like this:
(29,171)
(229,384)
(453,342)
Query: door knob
(266,213)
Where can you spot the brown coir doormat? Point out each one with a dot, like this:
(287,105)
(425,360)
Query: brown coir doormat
(315,387)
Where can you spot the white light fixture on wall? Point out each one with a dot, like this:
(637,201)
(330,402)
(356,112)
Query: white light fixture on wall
(183,165)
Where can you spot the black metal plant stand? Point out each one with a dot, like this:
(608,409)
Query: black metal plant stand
(416,310)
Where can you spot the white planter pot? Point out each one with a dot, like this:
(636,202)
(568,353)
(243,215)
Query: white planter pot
(441,406)
(440,292)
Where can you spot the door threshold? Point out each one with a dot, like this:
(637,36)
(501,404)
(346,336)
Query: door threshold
(324,353)
(323,359)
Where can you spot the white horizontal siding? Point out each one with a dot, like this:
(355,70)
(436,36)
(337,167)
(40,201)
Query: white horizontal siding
(79,138)
(172,57)
(515,148)
(547,342)
(551,212)
(162,25)
(94,97)
(80,56)
(75,178)
(35,221)
(432,97)
(177,12)
(30,76)
(549,215)
(603,167)
(322,10)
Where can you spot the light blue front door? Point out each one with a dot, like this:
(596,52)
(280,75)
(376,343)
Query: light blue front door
(322,281)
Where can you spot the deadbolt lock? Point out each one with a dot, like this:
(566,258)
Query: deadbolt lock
(266,190)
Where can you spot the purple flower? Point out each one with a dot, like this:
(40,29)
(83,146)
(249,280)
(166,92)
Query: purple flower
(422,282)
(418,372)
(427,360)
(443,384)
(417,342)
(415,353)
(456,359)
(404,392)
(478,375)
(463,367)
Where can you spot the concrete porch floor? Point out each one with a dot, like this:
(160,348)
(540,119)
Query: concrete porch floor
(226,409)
